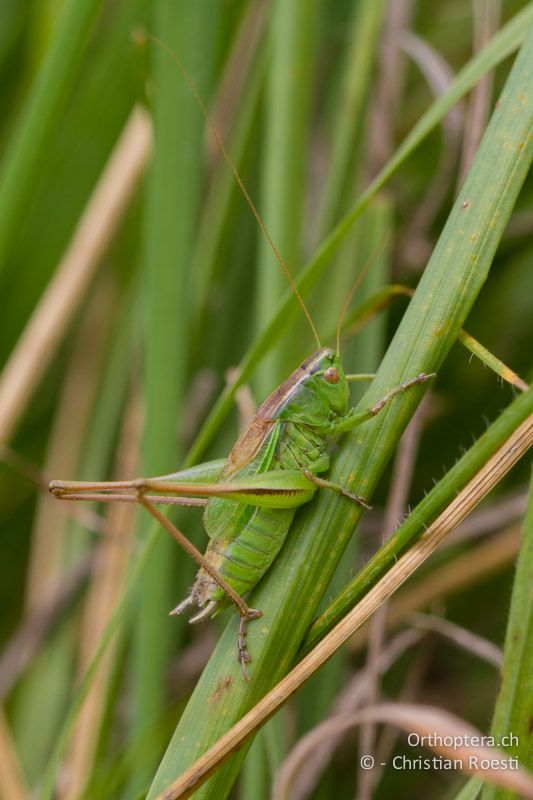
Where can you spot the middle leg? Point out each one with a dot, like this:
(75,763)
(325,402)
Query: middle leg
(337,488)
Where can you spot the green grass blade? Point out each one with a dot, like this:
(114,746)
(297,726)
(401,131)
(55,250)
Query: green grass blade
(509,38)
(42,115)
(73,164)
(284,161)
(360,354)
(215,221)
(512,714)
(172,208)
(364,33)
(470,790)
(291,591)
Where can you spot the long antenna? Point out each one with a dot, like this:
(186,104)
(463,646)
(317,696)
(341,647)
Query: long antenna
(242,187)
(356,284)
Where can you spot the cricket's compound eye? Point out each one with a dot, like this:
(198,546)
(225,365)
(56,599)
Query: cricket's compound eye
(332,375)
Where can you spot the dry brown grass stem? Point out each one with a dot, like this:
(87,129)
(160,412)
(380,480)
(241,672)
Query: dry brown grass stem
(36,627)
(61,298)
(486,18)
(12,783)
(469,568)
(389,86)
(461,637)
(239,63)
(50,535)
(424,721)
(244,400)
(493,471)
(501,513)
(416,245)
(351,697)
(102,597)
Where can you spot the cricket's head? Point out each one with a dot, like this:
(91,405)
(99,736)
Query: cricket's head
(329,379)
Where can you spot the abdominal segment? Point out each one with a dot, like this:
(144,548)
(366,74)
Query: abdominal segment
(243,561)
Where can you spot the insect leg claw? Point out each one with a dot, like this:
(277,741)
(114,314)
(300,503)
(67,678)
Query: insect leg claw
(244,656)
(355,498)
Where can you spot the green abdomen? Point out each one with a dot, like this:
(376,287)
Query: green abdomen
(245,559)
(245,539)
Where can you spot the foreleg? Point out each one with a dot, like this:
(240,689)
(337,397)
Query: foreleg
(355,418)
